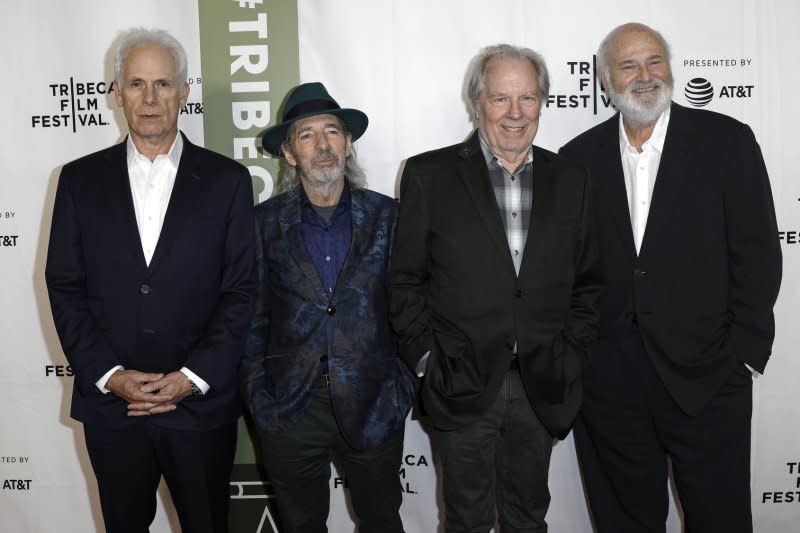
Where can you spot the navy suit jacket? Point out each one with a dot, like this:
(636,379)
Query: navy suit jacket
(708,271)
(190,307)
(455,291)
(297,324)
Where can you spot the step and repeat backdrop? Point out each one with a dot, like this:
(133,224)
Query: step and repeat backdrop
(403,63)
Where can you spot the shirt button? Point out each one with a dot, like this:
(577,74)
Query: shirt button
(145,288)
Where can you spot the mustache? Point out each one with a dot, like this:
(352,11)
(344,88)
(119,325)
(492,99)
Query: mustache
(322,155)
(655,83)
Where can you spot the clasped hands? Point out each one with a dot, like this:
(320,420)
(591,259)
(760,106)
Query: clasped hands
(149,393)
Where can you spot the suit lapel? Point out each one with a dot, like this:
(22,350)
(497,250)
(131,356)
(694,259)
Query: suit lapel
(182,203)
(290,220)
(120,197)
(543,202)
(360,216)
(611,189)
(473,172)
(670,178)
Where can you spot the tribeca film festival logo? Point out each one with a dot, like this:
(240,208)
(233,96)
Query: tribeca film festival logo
(406,486)
(699,91)
(785,496)
(587,94)
(15,484)
(77,104)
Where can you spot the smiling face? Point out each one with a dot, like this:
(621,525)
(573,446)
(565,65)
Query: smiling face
(509,108)
(151,95)
(639,78)
(318,146)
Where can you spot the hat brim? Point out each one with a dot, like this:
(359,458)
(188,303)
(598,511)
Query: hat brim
(355,120)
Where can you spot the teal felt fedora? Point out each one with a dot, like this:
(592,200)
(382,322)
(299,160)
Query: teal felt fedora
(307,100)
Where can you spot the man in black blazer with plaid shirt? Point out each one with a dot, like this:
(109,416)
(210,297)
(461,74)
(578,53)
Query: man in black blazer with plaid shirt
(494,283)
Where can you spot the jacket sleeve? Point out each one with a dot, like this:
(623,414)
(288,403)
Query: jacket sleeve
(251,371)
(754,253)
(217,356)
(88,351)
(409,312)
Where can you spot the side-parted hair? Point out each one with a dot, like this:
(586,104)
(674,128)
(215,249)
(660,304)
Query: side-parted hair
(130,39)
(603,66)
(476,73)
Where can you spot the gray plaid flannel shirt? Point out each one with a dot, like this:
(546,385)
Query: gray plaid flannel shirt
(514,194)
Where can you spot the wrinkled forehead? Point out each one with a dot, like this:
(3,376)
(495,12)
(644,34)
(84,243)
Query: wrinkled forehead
(149,56)
(636,42)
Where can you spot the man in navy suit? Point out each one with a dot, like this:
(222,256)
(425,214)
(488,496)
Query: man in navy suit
(692,267)
(151,283)
(321,373)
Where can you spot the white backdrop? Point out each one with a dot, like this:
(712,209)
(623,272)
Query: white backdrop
(402,63)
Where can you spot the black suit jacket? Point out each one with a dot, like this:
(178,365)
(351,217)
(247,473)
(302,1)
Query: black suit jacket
(190,307)
(704,283)
(455,291)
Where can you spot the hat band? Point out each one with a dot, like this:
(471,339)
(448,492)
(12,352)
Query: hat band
(308,107)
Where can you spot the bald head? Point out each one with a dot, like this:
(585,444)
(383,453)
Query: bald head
(625,32)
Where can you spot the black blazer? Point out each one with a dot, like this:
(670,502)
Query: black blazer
(455,291)
(190,307)
(704,283)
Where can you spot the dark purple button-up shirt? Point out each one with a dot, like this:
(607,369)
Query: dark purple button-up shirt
(327,242)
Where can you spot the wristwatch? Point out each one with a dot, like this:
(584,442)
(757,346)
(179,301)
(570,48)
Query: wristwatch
(195,389)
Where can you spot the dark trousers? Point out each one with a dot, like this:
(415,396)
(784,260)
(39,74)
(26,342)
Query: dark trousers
(629,426)
(129,463)
(497,467)
(298,466)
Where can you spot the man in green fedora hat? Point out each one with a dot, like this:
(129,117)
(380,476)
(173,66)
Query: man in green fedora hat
(321,374)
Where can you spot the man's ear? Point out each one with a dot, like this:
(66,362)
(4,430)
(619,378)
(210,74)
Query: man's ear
(603,81)
(117,93)
(287,153)
(184,94)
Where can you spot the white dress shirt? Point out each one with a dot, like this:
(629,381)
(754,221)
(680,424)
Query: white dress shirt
(640,169)
(151,188)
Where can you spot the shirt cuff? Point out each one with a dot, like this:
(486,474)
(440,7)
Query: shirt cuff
(197,380)
(422,364)
(101,383)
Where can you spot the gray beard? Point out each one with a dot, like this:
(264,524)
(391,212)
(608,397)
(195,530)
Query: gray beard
(641,112)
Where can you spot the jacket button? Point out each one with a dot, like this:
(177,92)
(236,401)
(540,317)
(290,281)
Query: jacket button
(145,288)
(518,293)
(323,358)
(331,310)
(639,272)
(509,346)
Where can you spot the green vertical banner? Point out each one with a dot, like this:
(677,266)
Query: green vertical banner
(249,60)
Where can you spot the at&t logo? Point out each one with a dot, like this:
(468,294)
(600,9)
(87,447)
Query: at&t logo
(699,91)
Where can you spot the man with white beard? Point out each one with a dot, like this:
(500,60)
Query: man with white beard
(692,268)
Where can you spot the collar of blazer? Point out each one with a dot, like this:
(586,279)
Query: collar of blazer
(475,176)
(672,172)
(182,205)
(362,214)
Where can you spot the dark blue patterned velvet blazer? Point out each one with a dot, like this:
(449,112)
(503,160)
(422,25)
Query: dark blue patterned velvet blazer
(297,323)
